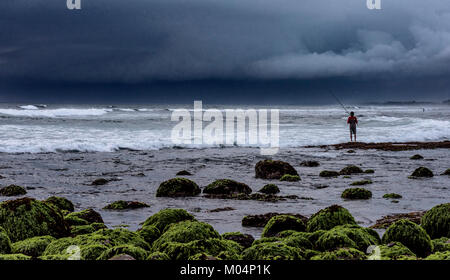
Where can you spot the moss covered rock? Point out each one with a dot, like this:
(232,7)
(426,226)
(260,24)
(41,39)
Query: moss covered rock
(85,229)
(436,221)
(185,231)
(33,247)
(272,251)
(347,236)
(273,169)
(216,247)
(149,233)
(369,171)
(439,256)
(329,217)
(245,240)
(282,222)
(290,178)
(263,219)
(411,235)
(441,244)
(361,183)
(227,186)
(328,174)
(5,242)
(177,187)
(26,217)
(61,202)
(166,217)
(84,217)
(422,172)
(12,190)
(14,257)
(93,245)
(356,193)
(351,169)
(299,240)
(125,205)
(392,195)
(136,252)
(348,254)
(270,189)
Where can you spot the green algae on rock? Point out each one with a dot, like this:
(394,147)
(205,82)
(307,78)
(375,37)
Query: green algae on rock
(178,187)
(14,257)
(391,251)
(85,229)
(392,195)
(85,217)
(361,183)
(329,217)
(149,233)
(411,235)
(369,171)
(281,223)
(166,217)
(290,178)
(272,251)
(245,240)
(26,217)
(439,256)
(441,244)
(269,189)
(94,244)
(422,172)
(328,174)
(227,187)
(5,242)
(12,190)
(263,219)
(61,202)
(273,169)
(33,247)
(356,193)
(348,254)
(351,169)
(347,236)
(436,221)
(125,205)
(158,256)
(185,231)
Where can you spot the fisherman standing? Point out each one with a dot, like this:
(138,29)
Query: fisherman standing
(352,122)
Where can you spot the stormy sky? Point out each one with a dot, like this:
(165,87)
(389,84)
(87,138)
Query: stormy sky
(251,51)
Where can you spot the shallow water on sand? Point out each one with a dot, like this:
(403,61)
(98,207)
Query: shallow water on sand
(70,175)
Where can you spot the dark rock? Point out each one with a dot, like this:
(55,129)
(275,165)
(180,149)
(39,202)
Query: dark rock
(122,257)
(221,209)
(290,178)
(61,202)
(328,174)
(388,220)
(392,195)
(416,157)
(356,193)
(281,223)
(84,217)
(99,182)
(184,173)
(351,169)
(124,205)
(177,187)
(270,189)
(273,169)
(12,190)
(245,240)
(309,163)
(422,172)
(227,187)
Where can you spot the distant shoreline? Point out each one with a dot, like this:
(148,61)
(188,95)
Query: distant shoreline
(388,146)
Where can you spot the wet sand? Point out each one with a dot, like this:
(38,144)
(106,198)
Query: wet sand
(136,175)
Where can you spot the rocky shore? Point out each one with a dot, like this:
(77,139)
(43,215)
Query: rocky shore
(316,203)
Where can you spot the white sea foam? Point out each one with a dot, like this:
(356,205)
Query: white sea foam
(54,113)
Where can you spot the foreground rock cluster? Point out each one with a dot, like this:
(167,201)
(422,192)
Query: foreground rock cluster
(50,230)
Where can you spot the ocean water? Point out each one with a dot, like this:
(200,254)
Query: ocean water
(107,128)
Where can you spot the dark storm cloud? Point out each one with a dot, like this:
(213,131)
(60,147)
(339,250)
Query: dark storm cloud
(136,41)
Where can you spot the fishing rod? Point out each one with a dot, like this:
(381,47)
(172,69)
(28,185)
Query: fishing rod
(337,99)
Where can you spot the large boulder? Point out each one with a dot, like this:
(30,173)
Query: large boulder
(329,217)
(273,169)
(26,217)
(411,235)
(177,187)
(272,251)
(33,247)
(85,217)
(263,219)
(356,193)
(227,187)
(166,217)
(5,242)
(281,223)
(422,172)
(61,202)
(347,236)
(436,221)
